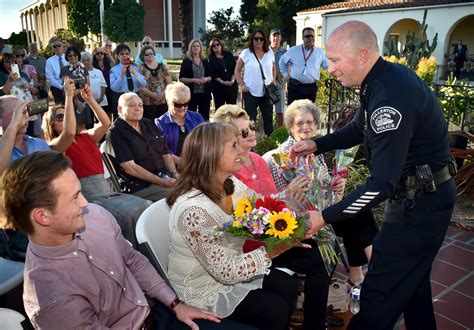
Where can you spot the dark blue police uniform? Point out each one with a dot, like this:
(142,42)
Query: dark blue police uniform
(402,126)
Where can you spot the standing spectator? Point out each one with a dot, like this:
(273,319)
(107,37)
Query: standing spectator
(278,51)
(304,62)
(11,84)
(196,74)
(148,41)
(74,69)
(104,62)
(460,53)
(178,122)
(258,60)
(39,62)
(125,76)
(222,65)
(54,65)
(97,80)
(157,77)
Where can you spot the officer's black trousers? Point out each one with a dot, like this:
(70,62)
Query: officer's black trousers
(398,279)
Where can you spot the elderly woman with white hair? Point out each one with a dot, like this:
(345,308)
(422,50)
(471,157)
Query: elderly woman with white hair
(97,80)
(178,121)
(196,74)
(301,119)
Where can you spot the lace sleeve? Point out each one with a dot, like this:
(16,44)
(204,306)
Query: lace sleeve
(222,262)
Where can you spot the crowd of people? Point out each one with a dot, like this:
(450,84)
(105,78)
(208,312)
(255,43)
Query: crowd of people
(82,267)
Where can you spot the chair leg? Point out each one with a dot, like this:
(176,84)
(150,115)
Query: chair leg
(342,256)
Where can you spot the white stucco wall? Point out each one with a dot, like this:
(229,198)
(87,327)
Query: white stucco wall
(440,19)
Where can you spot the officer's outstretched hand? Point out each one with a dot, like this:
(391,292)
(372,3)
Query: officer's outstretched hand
(302,148)
(315,223)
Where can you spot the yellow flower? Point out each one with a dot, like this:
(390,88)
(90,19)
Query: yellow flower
(243,206)
(236,224)
(282,224)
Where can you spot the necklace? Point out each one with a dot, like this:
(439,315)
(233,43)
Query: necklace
(182,128)
(254,175)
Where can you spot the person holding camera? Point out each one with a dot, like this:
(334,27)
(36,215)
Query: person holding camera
(13,81)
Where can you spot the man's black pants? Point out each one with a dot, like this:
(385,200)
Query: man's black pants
(299,91)
(398,279)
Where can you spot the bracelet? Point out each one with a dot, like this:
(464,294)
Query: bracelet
(175,303)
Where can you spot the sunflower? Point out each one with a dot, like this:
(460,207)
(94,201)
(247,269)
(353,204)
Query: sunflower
(243,206)
(282,224)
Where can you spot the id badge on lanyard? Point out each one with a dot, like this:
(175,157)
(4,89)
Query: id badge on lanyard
(306,58)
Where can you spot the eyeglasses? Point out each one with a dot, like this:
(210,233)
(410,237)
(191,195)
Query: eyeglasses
(300,124)
(147,43)
(215,45)
(56,46)
(20,55)
(308,36)
(180,105)
(258,39)
(246,131)
(72,55)
(108,45)
(100,53)
(124,54)
(59,117)
(149,54)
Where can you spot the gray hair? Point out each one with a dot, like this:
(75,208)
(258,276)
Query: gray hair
(300,106)
(86,54)
(177,90)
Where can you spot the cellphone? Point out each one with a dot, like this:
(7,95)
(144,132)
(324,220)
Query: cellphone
(126,62)
(37,107)
(79,83)
(15,69)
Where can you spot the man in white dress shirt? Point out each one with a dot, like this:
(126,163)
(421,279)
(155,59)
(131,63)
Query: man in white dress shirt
(53,69)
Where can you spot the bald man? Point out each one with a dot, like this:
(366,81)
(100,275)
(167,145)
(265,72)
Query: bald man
(406,143)
(146,166)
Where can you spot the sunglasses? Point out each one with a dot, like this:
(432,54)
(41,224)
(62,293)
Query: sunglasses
(100,53)
(59,117)
(72,55)
(308,36)
(57,46)
(215,45)
(147,43)
(246,131)
(180,105)
(258,39)
(108,45)
(9,61)
(20,55)
(149,54)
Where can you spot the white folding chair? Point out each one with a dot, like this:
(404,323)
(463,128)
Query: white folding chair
(11,320)
(268,158)
(11,274)
(153,236)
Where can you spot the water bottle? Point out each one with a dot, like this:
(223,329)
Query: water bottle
(355,300)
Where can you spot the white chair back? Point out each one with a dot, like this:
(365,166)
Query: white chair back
(153,236)
(11,274)
(268,158)
(11,320)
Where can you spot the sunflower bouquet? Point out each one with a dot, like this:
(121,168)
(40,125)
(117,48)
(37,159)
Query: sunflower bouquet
(266,220)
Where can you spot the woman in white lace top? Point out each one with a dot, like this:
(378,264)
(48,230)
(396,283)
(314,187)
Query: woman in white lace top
(210,271)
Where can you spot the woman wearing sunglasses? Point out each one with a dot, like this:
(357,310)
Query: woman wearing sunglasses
(30,70)
(222,66)
(11,83)
(104,62)
(258,61)
(157,77)
(178,121)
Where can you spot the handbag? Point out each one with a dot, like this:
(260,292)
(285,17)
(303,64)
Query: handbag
(271,91)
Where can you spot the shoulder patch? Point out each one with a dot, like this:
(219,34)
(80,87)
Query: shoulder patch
(385,119)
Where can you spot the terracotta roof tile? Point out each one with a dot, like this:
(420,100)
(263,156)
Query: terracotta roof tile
(358,5)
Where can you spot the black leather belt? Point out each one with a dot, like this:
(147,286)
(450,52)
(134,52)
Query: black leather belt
(297,83)
(412,185)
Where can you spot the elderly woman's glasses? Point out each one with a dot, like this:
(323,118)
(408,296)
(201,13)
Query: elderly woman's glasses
(301,124)
(180,105)
(246,131)
(59,117)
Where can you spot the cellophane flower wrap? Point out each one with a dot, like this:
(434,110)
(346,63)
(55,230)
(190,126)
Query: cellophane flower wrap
(342,159)
(321,195)
(265,219)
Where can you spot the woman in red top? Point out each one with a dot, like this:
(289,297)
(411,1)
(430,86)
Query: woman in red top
(86,159)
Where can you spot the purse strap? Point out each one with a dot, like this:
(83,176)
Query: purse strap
(261,70)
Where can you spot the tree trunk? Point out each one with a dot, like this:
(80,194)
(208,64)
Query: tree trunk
(185,23)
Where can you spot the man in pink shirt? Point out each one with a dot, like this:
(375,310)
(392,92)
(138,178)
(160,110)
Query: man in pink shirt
(80,273)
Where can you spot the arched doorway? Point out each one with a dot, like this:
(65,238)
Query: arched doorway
(462,30)
(396,35)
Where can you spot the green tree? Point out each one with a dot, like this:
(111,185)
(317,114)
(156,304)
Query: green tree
(64,35)
(19,39)
(248,12)
(124,20)
(225,27)
(83,16)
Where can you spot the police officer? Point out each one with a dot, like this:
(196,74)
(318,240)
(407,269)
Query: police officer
(407,144)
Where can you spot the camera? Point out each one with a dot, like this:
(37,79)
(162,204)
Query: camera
(126,62)
(79,83)
(37,107)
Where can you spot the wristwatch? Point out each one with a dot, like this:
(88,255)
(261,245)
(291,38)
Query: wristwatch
(175,303)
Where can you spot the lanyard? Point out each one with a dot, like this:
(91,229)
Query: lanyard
(304,56)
